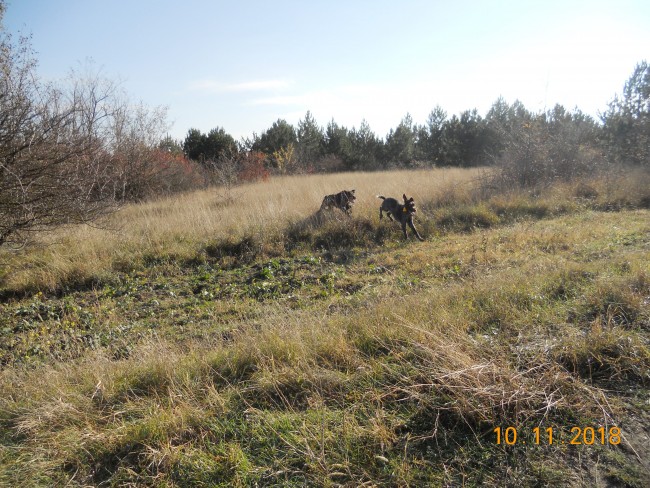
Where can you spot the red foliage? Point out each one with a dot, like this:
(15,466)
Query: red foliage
(147,172)
(174,171)
(166,161)
(253,167)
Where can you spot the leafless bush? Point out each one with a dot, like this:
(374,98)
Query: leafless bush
(54,168)
(546,149)
(224,171)
(232,168)
(68,152)
(223,175)
(151,172)
(252,167)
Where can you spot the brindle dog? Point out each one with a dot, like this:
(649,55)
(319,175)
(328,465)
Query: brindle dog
(342,200)
(402,212)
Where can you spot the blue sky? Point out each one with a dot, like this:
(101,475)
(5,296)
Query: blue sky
(242,65)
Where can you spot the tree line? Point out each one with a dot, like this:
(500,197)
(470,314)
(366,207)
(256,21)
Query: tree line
(75,150)
(567,139)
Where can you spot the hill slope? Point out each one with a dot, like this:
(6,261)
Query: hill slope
(337,354)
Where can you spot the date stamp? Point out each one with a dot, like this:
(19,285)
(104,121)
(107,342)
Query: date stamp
(550,436)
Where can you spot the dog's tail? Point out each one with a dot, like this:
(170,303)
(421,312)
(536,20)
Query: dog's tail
(379,196)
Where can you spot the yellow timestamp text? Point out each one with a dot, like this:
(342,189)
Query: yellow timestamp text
(550,436)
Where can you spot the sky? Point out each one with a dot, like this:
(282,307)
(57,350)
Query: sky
(242,65)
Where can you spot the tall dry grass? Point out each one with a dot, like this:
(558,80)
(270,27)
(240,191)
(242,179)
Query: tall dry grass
(270,205)
(180,224)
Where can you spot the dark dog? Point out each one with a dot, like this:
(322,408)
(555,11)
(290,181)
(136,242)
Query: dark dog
(402,212)
(343,200)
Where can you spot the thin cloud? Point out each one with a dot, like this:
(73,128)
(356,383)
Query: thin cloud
(344,94)
(280,100)
(212,86)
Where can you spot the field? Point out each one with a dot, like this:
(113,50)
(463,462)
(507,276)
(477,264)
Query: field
(234,337)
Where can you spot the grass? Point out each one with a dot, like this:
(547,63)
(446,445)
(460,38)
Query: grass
(180,226)
(278,349)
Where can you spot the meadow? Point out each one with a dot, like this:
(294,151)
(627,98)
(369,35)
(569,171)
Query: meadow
(235,337)
(181,224)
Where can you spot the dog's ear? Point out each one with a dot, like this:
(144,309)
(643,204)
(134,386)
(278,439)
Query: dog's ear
(352,191)
(404,197)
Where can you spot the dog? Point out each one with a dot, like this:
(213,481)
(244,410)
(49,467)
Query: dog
(402,212)
(342,200)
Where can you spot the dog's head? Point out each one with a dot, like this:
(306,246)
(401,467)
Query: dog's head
(409,205)
(350,195)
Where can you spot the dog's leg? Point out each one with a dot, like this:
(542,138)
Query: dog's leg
(389,214)
(404,229)
(410,222)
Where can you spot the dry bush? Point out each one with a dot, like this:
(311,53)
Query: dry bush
(152,173)
(252,167)
(69,153)
(537,155)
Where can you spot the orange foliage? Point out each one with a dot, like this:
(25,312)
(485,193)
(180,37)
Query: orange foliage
(252,167)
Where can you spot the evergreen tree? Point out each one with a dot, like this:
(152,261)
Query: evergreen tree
(337,147)
(400,143)
(337,140)
(219,143)
(193,144)
(310,139)
(627,120)
(429,137)
(364,148)
(208,147)
(170,145)
(501,123)
(279,136)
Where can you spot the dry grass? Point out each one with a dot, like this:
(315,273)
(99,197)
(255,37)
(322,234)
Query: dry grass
(383,365)
(179,225)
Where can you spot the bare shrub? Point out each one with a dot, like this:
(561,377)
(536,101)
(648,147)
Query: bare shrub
(157,172)
(232,168)
(551,147)
(224,171)
(69,152)
(54,168)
